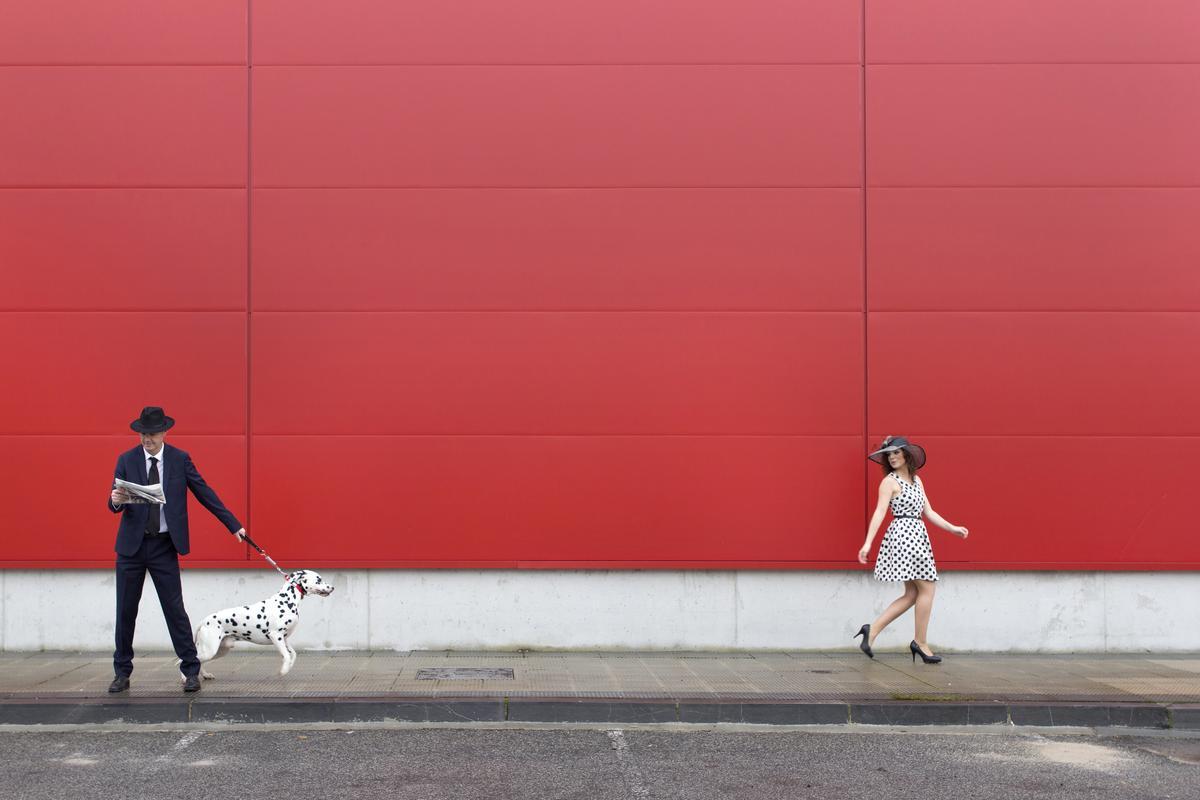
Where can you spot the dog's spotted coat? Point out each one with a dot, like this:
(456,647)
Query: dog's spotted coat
(270,621)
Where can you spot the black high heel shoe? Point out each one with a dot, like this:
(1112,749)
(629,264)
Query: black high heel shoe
(865,644)
(917,651)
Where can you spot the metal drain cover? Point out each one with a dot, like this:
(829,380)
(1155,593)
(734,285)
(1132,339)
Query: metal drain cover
(465,674)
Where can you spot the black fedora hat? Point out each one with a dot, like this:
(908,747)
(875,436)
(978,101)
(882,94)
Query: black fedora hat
(152,420)
(892,443)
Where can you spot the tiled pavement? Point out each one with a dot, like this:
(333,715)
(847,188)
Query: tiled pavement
(779,687)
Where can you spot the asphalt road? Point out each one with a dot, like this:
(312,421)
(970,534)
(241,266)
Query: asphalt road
(590,764)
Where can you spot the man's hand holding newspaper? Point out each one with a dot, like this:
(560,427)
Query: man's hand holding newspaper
(129,492)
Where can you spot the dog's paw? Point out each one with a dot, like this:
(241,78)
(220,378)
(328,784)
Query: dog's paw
(208,676)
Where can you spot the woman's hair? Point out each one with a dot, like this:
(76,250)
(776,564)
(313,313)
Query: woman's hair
(908,459)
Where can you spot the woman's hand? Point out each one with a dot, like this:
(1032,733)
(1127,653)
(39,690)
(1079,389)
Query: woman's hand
(959,530)
(862,553)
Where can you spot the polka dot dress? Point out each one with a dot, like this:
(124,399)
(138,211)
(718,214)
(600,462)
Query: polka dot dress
(905,553)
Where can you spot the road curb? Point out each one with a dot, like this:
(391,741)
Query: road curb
(590,710)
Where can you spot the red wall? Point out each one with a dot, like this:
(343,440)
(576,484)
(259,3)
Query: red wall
(606,283)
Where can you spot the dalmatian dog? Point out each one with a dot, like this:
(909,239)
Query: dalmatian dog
(270,621)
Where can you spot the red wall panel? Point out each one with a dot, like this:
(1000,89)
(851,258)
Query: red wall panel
(1020,373)
(1038,249)
(557,126)
(91,372)
(123,32)
(509,499)
(123,249)
(558,249)
(83,531)
(1007,31)
(582,284)
(594,373)
(550,31)
(123,126)
(1034,125)
(1044,501)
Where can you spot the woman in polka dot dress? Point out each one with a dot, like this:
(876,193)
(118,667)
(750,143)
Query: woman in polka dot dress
(905,553)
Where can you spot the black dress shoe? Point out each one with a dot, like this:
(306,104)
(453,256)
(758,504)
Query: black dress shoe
(917,651)
(191,683)
(865,644)
(120,684)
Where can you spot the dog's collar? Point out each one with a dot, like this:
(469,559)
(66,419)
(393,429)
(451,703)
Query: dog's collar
(299,589)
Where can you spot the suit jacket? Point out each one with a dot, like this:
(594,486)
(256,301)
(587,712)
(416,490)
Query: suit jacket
(180,474)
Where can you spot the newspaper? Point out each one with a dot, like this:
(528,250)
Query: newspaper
(141,494)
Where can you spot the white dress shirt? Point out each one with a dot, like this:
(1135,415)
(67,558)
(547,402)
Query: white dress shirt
(162,478)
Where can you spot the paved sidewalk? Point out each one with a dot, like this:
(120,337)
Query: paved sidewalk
(769,687)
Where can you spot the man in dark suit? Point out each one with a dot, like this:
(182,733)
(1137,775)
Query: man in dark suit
(152,537)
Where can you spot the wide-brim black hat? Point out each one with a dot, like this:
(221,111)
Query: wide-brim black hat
(152,420)
(892,443)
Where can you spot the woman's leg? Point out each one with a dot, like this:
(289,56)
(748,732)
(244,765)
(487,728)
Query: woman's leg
(901,604)
(925,590)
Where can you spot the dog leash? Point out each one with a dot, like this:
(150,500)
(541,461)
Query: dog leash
(263,553)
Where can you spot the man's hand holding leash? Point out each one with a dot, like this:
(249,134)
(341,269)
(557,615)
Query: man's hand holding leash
(120,497)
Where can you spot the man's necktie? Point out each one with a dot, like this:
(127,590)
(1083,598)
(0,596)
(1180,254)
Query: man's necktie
(152,519)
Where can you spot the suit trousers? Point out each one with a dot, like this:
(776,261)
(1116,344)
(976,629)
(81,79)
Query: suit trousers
(157,556)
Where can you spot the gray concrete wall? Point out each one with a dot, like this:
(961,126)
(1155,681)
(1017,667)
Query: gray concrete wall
(447,609)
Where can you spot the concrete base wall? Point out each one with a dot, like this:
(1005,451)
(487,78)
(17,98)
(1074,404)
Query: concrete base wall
(465,610)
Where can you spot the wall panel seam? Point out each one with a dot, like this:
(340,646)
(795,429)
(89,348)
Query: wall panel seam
(1032,63)
(249,259)
(519,64)
(866,298)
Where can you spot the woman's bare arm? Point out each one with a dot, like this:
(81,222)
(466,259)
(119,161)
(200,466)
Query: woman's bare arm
(939,520)
(886,490)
